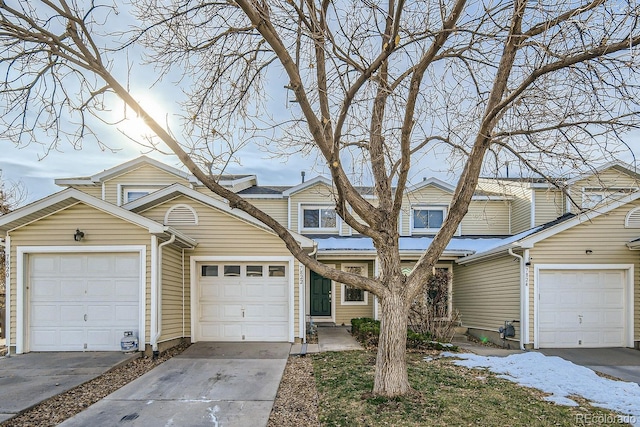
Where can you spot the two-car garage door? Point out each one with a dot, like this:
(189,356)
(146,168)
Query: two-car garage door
(581,308)
(82,301)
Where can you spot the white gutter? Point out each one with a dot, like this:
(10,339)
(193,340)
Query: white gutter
(522,293)
(156,298)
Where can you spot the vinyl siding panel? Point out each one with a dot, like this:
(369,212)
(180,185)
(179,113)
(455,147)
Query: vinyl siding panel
(92,190)
(549,205)
(606,236)
(175,296)
(487,293)
(100,228)
(520,205)
(275,208)
(486,217)
(142,176)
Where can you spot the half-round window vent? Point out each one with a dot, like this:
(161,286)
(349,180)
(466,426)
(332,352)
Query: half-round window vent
(633,218)
(181,215)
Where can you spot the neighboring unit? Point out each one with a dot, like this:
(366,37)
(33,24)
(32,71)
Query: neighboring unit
(145,247)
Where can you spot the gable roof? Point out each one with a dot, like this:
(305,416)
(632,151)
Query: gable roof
(618,165)
(69,197)
(175,190)
(124,168)
(304,185)
(529,238)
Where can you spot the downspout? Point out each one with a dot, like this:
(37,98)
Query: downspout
(522,296)
(156,302)
(183,293)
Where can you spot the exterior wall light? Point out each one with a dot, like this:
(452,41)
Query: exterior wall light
(79,235)
(588,251)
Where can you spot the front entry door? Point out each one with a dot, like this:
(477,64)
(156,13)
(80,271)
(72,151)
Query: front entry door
(320,295)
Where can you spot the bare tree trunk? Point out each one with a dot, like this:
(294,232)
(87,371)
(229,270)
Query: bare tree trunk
(391,377)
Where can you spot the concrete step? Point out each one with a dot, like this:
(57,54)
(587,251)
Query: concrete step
(460,338)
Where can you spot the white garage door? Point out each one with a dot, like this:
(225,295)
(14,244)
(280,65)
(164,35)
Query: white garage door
(581,308)
(243,302)
(82,301)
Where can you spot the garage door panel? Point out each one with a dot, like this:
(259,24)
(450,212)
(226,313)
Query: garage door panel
(71,314)
(44,289)
(77,303)
(126,314)
(71,265)
(223,300)
(70,289)
(583,308)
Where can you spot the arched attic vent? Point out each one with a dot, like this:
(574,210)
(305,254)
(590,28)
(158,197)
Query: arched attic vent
(181,215)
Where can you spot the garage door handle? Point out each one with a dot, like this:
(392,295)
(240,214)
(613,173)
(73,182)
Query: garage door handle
(85,317)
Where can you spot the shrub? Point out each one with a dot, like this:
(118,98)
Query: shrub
(367,331)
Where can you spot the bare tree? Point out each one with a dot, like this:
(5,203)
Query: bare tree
(11,195)
(379,87)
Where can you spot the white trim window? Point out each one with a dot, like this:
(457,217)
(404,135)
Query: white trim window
(316,218)
(594,197)
(427,219)
(127,193)
(349,294)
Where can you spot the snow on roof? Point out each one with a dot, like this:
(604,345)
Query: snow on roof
(561,379)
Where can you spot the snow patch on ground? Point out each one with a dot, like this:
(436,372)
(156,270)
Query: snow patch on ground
(561,378)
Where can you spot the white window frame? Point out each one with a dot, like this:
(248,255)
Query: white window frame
(415,208)
(606,194)
(304,229)
(125,189)
(365,273)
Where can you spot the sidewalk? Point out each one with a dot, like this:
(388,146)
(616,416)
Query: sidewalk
(330,338)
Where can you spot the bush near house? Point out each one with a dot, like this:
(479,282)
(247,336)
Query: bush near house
(367,331)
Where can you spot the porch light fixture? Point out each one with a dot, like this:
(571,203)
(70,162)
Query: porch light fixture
(79,235)
(588,252)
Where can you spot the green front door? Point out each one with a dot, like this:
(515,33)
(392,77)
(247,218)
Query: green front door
(320,295)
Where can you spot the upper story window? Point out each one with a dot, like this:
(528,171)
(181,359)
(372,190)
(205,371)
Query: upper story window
(592,197)
(319,218)
(428,218)
(131,195)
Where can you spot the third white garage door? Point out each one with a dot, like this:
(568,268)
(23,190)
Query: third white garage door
(242,302)
(581,308)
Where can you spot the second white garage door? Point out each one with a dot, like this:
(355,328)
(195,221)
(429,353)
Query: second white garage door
(242,302)
(581,308)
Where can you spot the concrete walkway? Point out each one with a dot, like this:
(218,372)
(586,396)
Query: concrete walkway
(28,379)
(212,384)
(330,338)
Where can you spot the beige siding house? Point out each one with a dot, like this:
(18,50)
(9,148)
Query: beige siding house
(145,248)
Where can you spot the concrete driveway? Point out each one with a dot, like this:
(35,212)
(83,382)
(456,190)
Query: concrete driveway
(209,384)
(623,363)
(28,379)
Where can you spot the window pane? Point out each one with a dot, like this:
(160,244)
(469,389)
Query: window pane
(133,195)
(420,218)
(436,218)
(353,294)
(328,218)
(209,271)
(276,271)
(311,218)
(254,271)
(231,270)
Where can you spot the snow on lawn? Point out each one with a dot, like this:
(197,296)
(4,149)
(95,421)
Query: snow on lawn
(561,378)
